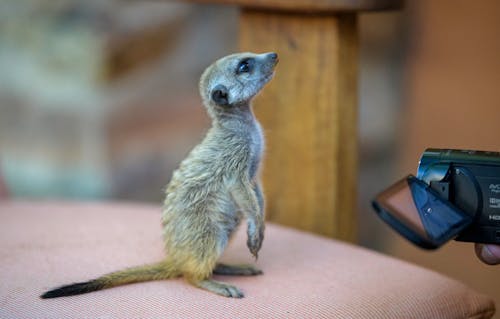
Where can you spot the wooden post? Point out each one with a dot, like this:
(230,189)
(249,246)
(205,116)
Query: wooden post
(309,115)
(309,111)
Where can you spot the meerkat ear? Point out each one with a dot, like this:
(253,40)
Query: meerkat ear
(219,95)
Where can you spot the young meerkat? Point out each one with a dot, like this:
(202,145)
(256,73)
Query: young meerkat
(213,189)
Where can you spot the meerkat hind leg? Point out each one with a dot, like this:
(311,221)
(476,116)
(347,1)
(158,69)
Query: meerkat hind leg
(236,270)
(219,288)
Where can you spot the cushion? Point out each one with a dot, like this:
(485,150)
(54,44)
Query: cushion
(47,244)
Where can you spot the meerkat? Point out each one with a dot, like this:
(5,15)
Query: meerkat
(214,188)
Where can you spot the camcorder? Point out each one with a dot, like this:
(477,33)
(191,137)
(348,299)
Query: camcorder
(455,195)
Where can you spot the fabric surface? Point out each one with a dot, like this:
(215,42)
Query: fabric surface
(47,244)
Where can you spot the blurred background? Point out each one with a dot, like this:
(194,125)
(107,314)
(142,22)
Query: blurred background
(99,100)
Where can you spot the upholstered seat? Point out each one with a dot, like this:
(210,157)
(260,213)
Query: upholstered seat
(46,244)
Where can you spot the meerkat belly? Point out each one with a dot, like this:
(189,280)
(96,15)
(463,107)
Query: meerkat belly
(256,150)
(199,203)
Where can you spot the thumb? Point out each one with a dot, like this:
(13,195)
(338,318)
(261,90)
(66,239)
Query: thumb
(489,254)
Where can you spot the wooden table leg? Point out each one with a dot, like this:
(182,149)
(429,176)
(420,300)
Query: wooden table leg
(309,116)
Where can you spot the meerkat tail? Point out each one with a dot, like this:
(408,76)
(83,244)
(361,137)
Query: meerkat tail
(158,271)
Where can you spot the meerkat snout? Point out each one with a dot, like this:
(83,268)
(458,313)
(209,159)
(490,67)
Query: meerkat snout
(235,79)
(273,56)
(272,60)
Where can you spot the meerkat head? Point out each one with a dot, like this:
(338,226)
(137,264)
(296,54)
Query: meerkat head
(234,80)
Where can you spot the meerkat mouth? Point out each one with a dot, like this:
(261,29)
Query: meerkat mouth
(269,76)
(273,70)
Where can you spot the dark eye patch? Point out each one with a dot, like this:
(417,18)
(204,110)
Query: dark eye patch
(245,66)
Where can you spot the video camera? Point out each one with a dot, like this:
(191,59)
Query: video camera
(455,195)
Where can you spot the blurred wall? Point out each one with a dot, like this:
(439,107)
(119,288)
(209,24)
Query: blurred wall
(99,99)
(453,78)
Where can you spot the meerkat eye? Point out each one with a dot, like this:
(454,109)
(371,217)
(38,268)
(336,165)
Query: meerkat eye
(245,66)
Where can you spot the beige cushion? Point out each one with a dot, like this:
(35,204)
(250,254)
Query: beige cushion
(46,244)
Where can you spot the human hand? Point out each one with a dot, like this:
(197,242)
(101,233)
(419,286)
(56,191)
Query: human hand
(488,253)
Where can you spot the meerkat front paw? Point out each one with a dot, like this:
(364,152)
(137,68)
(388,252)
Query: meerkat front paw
(254,243)
(255,238)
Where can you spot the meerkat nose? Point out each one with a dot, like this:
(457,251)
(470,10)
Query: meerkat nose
(272,58)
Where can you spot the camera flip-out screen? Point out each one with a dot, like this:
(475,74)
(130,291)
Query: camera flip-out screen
(417,212)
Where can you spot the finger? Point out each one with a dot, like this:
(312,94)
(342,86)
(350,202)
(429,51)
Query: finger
(489,254)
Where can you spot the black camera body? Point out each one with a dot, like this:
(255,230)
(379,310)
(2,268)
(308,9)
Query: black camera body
(455,195)
(470,180)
